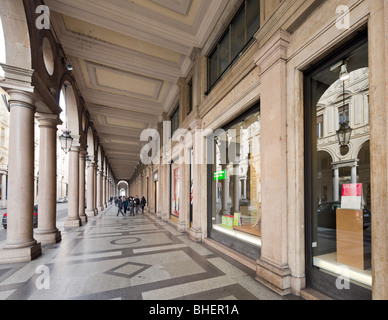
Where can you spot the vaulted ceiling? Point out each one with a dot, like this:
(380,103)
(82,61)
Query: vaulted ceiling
(128,56)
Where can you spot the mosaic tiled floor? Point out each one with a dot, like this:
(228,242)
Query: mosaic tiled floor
(133,258)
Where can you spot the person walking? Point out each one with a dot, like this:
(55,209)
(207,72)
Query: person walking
(120,206)
(137,202)
(143,203)
(125,204)
(132,206)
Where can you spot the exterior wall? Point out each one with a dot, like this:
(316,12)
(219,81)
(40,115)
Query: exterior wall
(292,38)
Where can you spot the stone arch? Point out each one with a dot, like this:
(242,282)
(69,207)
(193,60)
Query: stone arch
(90,143)
(16,35)
(362,145)
(126,184)
(70,108)
(100,157)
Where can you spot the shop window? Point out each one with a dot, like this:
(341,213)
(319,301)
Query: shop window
(175,185)
(175,121)
(238,34)
(338,185)
(236,180)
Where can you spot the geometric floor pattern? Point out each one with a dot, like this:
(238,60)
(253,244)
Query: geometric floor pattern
(130,258)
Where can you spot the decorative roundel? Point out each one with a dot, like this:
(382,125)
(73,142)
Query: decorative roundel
(48,56)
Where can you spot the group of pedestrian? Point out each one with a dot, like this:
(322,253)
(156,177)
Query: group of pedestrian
(133,204)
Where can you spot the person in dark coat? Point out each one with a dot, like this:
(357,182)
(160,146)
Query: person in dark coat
(137,202)
(120,206)
(132,206)
(125,204)
(143,203)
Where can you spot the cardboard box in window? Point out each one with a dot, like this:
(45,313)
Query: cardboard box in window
(353,248)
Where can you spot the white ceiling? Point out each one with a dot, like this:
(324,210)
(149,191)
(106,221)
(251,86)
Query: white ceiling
(128,56)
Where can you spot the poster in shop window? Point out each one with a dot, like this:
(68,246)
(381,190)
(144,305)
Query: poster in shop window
(351,196)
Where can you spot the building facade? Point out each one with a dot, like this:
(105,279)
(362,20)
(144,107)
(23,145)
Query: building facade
(266,173)
(283,108)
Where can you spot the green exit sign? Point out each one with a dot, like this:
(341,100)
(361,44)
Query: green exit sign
(220,175)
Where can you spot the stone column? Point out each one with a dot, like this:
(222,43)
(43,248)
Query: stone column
(272,267)
(184,196)
(336,184)
(159,193)
(90,212)
(47,232)
(20,244)
(95,196)
(82,214)
(354,173)
(225,191)
(104,193)
(100,206)
(4,190)
(378,53)
(73,219)
(199,182)
(166,194)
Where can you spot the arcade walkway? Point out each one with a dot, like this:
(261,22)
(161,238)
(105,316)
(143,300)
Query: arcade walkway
(130,258)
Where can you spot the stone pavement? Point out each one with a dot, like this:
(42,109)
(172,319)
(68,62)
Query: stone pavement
(131,258)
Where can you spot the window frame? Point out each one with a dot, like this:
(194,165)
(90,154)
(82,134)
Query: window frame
(242,10)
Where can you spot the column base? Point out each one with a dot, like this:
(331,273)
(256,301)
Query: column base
(274,277)
(158,215)
(90,213)
(48,237)
(195,234)
(73,223)
(100,209)
(16,255)
(181,227)
(84,218)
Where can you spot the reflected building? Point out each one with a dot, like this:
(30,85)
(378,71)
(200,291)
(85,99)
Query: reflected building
(336,165)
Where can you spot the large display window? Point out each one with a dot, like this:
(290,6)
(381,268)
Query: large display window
(338,196)
(175,184)
(235,179)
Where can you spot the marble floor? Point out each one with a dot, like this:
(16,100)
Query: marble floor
(130,258)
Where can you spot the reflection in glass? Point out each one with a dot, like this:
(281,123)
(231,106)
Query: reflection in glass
(341,238)
(175,180)
(237,179)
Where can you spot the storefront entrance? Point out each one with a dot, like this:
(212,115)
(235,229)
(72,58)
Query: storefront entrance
(337,174)
(234,179)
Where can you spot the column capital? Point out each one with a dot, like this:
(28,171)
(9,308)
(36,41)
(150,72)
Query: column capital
(195,54)
(19,98)
(76,146)
(48,120)
(274,50)
(82,153)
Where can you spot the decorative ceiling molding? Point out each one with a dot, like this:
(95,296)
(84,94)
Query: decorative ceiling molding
(127,58)
(179,6)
